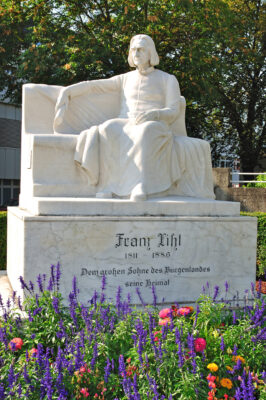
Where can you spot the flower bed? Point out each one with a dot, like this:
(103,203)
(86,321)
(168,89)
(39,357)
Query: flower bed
(107,352)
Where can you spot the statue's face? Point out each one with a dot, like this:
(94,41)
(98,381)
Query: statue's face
(140,53)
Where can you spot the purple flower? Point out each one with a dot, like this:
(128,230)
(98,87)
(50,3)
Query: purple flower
(50,285)
(11,377)
(140,297)
(31,285)
(226,286)
(107,370)
(154,296)
(75,290)
(252,288)
(216,291)
(222,346)
(135,388)
(196,316)
(244,393)
(126,383)
(40,283)
(79,358)
(19,303)
(179,351)
(55,303)
(47,381)
(95,354)
(23,284)
(2,392)
(234,317)
(58,275)
(103,282)
(250,386)
(118,299)
(190,342)
(238,394)
(26,375)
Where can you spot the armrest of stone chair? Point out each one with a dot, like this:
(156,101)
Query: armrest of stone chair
(50,170)
(38,108)
(47,160)
(179,125)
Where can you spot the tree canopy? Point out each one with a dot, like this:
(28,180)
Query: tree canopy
(215,48)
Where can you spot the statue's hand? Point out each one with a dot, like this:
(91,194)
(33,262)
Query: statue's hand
(63,99)
(61,104)
(145,116)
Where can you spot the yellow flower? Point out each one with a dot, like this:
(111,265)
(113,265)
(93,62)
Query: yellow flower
(213,367)
(236,358)
(229,368)
(227,383)
(67,66)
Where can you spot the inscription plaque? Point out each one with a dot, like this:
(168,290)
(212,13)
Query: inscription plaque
(176,255)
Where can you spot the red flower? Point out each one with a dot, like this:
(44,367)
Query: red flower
(184,311)
(15,344)
(200,344)
(164,321)
(33,352)
(165,312)
(82,370)
(85,392)
(156,338)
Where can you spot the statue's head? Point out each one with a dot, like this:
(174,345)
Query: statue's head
(146,43)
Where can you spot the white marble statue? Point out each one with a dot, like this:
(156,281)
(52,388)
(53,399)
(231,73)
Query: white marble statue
(141,150)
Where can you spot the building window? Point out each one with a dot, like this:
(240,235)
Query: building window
(9,191)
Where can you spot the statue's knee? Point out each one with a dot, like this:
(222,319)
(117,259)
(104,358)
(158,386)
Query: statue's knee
(151,127)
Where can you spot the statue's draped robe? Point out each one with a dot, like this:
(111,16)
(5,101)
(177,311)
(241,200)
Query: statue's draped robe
(119,154)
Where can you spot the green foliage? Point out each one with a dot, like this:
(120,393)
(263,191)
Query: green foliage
(140,348)
(261,242)
(258,184)
(216,49)
(3,239)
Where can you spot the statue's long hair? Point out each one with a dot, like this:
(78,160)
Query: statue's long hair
(154,58)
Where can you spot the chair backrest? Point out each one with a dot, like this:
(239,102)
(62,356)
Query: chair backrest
(87,110)
(38,110)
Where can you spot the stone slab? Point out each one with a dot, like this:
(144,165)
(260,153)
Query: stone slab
(5,287)
(177,255)
(168,206)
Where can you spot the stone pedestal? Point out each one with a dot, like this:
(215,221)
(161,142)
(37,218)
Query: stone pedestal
(176,254)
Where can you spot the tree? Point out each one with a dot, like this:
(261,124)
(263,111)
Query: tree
(216,49)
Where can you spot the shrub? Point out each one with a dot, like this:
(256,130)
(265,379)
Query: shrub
(109,352)
(261,242)
(258,184)
(3,237)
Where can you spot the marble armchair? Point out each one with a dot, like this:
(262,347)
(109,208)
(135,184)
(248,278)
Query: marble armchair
(48,169)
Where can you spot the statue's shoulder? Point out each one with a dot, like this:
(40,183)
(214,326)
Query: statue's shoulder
(164,74)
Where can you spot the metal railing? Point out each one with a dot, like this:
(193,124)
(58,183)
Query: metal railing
(240,182)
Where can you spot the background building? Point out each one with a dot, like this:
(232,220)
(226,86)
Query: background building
(10,141)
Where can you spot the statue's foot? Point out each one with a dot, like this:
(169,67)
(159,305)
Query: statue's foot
(104,195)
(138,193)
